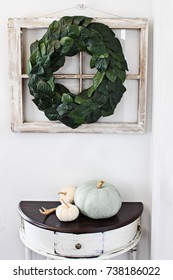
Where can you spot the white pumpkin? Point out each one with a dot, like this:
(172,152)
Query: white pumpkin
(67,193)
(97,200)
(67,212)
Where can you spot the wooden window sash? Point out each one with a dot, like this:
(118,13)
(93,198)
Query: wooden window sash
(16,77)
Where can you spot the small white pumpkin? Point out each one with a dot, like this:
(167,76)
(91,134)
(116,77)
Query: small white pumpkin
(97,200)
(67,193)
(67,212)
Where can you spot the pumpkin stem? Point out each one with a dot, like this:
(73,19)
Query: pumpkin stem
(62,193)
(63,201)
(100,184)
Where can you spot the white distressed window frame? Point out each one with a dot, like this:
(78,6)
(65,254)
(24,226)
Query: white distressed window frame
(15,26)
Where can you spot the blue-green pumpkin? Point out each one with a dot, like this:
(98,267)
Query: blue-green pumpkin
(97,200)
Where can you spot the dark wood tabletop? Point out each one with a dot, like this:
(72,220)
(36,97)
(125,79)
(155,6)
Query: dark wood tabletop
(29,211)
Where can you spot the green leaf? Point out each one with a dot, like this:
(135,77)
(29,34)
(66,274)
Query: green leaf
(51,83)
(79,114)
(73,50)
(38,69)
(113,72)
(41,104)
(106,33)
(119,57)
(44,88)
(32,84)
(104,55)
(66,43)
(96,82)
(45,61)
(100,98)
(52,114)
(34,46)
(82,97)
(93,60)
(66,98)
(29,66)
(98,79)
(61,88)
(57,63)
(122,75)
(42,49)
(85,113)
(73,31)
(104,86)
(65,21)
(111,76)
(33,57)
(56,100)
(57,27)
(114,45)
(85,21)
(65,108)
(106,110)
(54,25)
(95,46)
(56,35)
(84,33)
(53,46)
(114,98)
(102,64)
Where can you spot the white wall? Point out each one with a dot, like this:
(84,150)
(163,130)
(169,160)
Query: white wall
(162,222)
(36,166)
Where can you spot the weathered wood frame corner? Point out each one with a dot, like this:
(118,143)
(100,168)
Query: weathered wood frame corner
(16,77)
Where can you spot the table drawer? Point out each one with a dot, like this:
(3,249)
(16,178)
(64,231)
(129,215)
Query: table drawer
(78,245)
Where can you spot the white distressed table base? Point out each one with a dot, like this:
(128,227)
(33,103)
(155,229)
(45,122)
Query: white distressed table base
(131,246)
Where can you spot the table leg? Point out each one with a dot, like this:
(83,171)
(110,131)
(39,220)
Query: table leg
(28,254)
(133,253)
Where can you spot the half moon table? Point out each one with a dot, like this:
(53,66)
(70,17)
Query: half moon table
(82,238)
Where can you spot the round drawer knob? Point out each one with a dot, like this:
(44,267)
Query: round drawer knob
(78,246)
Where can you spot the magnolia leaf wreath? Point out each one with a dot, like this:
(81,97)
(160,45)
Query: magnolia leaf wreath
(68,37)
